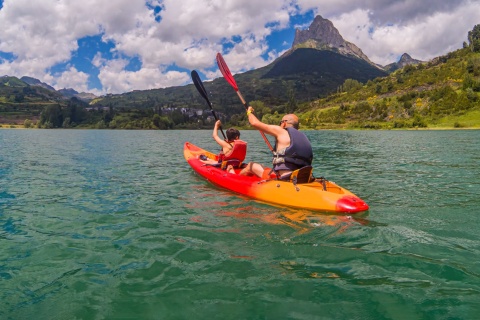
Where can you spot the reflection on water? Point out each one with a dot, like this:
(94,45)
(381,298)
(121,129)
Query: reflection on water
(301,220)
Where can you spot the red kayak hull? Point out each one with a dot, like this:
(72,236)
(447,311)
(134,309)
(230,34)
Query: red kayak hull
(318,196)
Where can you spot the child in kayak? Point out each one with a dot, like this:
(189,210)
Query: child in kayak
(233,149)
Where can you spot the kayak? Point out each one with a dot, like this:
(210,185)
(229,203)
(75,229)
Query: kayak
(317,195)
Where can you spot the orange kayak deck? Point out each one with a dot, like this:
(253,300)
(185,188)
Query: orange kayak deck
(319,195)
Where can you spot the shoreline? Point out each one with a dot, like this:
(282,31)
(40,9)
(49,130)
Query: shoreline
(21,127)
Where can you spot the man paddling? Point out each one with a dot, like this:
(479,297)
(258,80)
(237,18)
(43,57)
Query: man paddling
(292,148)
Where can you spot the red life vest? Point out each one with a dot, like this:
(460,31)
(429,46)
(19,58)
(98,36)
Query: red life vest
(238,152)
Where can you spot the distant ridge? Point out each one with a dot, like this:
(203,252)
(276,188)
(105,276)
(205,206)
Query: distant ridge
(70,93)
(67,93)
(404,61)
(35,82)
(327,66)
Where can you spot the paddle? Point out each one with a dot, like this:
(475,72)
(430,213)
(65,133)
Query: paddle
(222,65)
(199,85)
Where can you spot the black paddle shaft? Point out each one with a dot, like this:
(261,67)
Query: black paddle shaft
(201,89)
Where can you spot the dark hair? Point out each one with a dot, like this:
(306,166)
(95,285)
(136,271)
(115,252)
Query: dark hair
(232,134)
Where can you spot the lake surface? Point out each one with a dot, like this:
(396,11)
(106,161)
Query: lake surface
(115,225)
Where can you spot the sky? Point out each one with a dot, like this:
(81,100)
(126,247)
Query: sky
(117,46)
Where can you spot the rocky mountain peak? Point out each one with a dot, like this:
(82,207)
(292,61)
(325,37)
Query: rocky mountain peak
(406,59)
(323,35)
(321,30)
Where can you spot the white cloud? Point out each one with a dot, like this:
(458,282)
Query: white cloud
(115,78)
(189,35)
(434,35)
(192,31)
(384,12)
(72,78)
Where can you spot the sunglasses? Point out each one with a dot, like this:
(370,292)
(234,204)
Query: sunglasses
(282,121)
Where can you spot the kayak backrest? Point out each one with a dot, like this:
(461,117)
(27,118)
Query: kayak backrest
(302,175)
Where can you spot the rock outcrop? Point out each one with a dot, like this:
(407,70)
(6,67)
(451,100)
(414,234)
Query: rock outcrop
(323,35)
(405,60)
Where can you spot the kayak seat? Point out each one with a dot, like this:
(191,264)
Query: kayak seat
(233,162)
(302,175)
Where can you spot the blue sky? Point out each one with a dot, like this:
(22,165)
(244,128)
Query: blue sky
(104,46)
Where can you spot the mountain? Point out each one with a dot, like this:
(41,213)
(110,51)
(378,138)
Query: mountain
(12,87)
(86,96)
(319,61)
(20,100)
(35,82)
(11,82)
(70,93)
(323,35)
(405,60)
(67,93)
(321,50)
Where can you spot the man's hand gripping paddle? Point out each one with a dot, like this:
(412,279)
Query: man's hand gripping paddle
(222,65)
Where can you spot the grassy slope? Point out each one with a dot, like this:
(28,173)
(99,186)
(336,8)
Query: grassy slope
(435,95)
(470,119)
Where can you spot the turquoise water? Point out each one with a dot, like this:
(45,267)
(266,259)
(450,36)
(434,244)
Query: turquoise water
(115,225)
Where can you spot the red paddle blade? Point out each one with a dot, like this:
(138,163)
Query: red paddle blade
(222,65)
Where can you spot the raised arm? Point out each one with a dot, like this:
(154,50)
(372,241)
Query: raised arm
(225,145)
(270,129)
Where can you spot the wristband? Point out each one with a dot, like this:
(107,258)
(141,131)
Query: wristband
(248,112)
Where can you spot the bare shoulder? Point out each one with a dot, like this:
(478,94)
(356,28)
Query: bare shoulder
(273,130)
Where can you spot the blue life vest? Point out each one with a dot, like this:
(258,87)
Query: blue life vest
(299,154)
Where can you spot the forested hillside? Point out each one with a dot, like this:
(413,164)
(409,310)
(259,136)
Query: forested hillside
(444,92)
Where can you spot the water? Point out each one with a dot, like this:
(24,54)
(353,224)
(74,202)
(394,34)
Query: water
(115,225)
